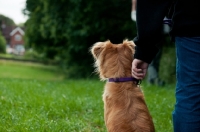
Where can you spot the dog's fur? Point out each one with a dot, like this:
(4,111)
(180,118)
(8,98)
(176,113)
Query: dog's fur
(125,109)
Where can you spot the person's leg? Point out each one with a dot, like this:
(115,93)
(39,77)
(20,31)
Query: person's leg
(186,116)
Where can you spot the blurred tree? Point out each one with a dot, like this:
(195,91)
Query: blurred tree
(6,20)
(2,44)
(66,29)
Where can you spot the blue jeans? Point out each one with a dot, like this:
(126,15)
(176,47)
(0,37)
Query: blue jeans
(186,115)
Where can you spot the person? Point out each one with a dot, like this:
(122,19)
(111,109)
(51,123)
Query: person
(185,32)
(133,10)
(153,69)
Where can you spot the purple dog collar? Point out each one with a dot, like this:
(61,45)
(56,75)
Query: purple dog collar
(124,79)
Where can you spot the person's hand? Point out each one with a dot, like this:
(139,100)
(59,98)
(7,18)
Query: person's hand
(139,69)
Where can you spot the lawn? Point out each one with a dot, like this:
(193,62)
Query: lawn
(40,100)
(13,69)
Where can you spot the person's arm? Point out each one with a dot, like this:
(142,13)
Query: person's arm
(133,5)
(150,15)
(133,11)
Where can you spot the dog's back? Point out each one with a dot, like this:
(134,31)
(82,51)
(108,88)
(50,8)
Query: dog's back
(125,109)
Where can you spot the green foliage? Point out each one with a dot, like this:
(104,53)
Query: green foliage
(32,55)
(168,62)
(7,20)
(67,29)
(2,44)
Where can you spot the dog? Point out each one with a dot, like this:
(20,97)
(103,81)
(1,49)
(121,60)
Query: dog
(125,109)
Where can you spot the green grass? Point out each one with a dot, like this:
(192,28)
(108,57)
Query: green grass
(44,102)
(160,101)
(12,69)
(35,106)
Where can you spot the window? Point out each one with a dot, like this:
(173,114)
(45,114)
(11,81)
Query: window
(18,37)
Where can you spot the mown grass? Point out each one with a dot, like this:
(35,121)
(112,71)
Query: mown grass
(13,69)
(35,104)
(30,105)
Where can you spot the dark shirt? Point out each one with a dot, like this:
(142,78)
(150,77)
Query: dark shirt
(150,15)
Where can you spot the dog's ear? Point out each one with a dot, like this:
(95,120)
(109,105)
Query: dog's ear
(130,44)
(96,49)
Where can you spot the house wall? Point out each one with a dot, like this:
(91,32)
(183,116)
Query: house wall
(16,39)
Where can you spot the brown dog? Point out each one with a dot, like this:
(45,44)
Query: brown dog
(125,109)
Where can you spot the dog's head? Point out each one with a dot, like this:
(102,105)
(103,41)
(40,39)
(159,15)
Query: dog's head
(113,60)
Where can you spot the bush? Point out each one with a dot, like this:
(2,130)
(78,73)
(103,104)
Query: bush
(2,44)
(69,28)
(32,55)
(90,24)
(168,62)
